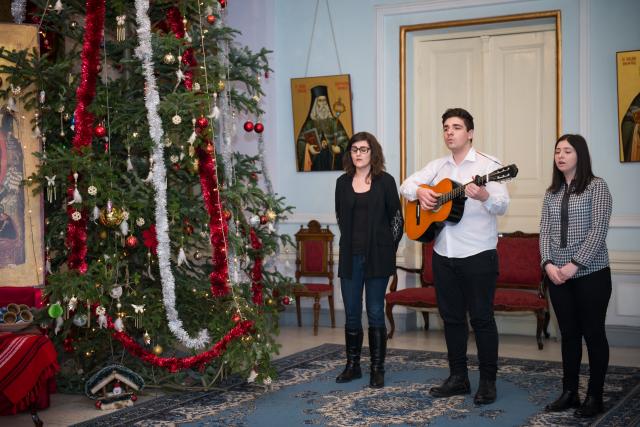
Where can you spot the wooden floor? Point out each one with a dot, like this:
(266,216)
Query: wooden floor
(70,409)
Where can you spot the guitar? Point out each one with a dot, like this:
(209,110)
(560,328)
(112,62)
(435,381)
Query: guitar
(424,226)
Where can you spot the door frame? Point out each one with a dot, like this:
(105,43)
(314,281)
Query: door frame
(405,30)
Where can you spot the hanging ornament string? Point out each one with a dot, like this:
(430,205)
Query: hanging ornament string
(175,364)
(152,99)
(76,239)
(333,36)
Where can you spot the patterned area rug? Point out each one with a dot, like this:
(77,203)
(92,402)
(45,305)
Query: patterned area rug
(306,394)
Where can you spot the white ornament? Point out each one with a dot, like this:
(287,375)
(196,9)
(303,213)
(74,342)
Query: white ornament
(73,303)
(176,119)
(80,320)
(76,216)
(140,222)
(174,159)
(92,190)
(254,220)
(252,376)
(118,325)
(116,292)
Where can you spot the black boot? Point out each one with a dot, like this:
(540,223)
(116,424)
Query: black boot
(452,386)
(568,399)
(353,340)
(591,407)
(486,393)
(378,349)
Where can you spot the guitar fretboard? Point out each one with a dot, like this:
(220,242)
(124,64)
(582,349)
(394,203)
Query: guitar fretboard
(459,191)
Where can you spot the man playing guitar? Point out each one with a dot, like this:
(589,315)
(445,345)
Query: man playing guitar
(465,260)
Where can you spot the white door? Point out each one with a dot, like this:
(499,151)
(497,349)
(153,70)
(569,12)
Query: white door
(508,83)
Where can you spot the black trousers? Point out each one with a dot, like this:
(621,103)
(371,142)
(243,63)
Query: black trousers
(581,307)
(468,285)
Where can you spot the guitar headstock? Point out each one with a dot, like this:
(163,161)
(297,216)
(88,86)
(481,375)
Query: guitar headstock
(497,175)
(504,173)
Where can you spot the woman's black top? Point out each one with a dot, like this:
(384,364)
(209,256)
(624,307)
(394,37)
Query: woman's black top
(359,234)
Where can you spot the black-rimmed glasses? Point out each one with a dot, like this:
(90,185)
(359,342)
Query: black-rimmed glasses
(363,150)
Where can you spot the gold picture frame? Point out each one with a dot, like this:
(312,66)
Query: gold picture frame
(21,212)
(628,77)
(322,121)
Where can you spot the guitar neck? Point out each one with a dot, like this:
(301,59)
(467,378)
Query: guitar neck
(459,191)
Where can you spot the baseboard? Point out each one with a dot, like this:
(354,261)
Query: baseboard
(623,336)
(404,321)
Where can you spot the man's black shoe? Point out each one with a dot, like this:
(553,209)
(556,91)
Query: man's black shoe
(486,393)
(591,407)
(452,386)
(568,399)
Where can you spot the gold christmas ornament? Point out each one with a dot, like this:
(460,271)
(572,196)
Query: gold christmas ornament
(111,216)
(220,85)
(157,350)
(271,215)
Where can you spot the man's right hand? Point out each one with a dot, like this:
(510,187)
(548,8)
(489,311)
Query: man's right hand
(427,197)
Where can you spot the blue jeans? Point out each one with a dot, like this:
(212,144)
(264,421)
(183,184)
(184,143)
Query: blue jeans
(352,297)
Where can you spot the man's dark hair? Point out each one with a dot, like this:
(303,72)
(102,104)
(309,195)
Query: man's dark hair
(461,113)
(377,158)
(584,173)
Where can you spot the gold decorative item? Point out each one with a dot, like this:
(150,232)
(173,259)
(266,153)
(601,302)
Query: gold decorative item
(111,216)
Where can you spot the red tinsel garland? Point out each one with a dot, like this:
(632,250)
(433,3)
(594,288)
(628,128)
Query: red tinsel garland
(76,239)
(256,270)
(174,22)
(218,227)
(175,364)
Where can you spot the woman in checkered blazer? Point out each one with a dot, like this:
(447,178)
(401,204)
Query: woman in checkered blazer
(573,231)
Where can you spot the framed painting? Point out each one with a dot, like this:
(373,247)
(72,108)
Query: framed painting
(21,212)
(628,67)
(322,121)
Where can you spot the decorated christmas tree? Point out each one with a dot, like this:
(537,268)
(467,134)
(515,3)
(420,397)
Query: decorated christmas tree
(160,240)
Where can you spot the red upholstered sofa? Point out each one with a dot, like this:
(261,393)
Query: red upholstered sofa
(519,286)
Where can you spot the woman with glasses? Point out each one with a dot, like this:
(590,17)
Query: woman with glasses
(371,225)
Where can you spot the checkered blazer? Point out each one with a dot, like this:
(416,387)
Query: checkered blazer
(573,227)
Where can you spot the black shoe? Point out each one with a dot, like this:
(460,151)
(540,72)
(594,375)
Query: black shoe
(486,393)
(568,399)
(353,339)
(452,386)
(378,348)
(591,407)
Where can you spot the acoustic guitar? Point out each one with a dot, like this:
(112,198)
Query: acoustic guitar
(423,225)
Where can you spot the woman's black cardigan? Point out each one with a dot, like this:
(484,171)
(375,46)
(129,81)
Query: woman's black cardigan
(384,225)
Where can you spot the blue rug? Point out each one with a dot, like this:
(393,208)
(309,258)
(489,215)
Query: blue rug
(306,394)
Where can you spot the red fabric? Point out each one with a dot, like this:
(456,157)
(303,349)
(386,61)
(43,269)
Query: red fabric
(21,295)
(427,268)
(519,261)
(515,299)
(410,296)
(313,250)
(28,364)
(315,287)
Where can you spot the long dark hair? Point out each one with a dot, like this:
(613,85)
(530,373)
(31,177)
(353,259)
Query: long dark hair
(584,174)
(377,158)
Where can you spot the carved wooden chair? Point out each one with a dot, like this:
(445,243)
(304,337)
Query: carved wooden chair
(314,259)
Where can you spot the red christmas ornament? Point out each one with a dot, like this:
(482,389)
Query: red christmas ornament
(176,166)
(188,229)
(100,131)
(209,148)
(211,19)
(223,3)
(131,241)
(227,215)
(134,397)
(98,404)
(254,176)
(259,127)
(235,318)
(266,74)
(286,300)
(202,122)
(248,125)
(263,219)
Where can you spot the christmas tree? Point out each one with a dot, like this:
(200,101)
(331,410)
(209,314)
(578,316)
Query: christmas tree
(160,240)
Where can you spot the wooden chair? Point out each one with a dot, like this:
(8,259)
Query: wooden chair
(314,259)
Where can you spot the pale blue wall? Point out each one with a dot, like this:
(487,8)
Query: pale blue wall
(285,26)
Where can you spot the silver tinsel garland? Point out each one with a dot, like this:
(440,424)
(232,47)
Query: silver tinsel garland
(18,10)
(152,99)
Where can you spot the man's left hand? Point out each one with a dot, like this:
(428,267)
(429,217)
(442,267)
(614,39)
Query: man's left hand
(476,192)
